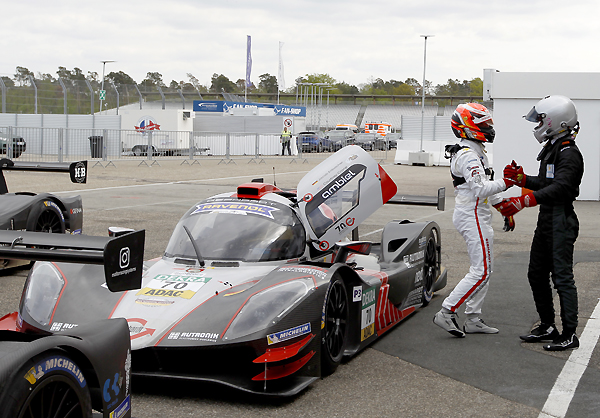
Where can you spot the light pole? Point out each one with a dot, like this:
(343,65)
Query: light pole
(102,88)
(423,87)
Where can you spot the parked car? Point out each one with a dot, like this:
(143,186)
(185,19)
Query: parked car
(367,141)
(340,138)
(17,147)
(314,142)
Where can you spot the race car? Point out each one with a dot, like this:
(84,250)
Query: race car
(43,212)
(67,374)
(259,288)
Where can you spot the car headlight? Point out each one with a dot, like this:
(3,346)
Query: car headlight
(268,307)
(43,289)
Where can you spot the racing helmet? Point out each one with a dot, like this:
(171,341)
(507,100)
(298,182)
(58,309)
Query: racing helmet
(556,116)
(473,121)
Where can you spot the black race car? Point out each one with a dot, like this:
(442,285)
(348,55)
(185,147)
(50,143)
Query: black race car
(42,212)
(259,288)
(67,374)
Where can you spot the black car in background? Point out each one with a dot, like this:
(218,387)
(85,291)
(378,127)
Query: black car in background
(13,148)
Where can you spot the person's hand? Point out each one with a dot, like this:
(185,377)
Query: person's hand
(511,206)
(514,173)
(509,224)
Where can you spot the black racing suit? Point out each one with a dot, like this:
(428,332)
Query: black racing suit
(555,188)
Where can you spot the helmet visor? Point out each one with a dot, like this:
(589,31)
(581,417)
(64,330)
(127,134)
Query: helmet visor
(534,116)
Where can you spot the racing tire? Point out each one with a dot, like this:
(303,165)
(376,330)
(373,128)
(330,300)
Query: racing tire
(430,266)
(335,331)
(57,393)
(49,220)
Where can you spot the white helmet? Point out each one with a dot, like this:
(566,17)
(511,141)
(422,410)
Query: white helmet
(556,115)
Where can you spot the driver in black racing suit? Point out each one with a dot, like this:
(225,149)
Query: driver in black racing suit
(554,188)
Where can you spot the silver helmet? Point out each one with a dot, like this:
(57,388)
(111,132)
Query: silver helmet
(556,116)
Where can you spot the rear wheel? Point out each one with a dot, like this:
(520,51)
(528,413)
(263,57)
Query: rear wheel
(47,386)
(430,266)
(335,331)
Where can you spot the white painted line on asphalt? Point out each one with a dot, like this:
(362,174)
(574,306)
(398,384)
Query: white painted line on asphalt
(560,397)
(177,182)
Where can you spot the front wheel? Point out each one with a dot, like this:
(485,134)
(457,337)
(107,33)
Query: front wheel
(49,385)
(335,330)
(430,266)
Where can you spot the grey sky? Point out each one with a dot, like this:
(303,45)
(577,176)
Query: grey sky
(350,40)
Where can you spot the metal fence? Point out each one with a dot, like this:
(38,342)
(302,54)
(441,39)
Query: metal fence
(108,146)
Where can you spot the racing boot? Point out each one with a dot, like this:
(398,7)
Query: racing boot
(477,326)
(447,321)
(565,341)
(543,332)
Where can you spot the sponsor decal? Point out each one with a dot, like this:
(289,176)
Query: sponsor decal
(76,211)
(419,276)
(127,371)
(137,328)
(288,334)
(346,224)
(422,241)
(60,326)
(122,409)
(124,256)
(356,293)
(79,172)
(154,303)
(147,123)
(415,258)
(54,363)
(339,182)
(76,232)
(114,388)
(194,336)
(236,208)
(550,171)
(315,271)
(173,286)
(49,203)
(367,318)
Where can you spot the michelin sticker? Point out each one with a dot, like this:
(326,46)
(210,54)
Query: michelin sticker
(55,363)
(288,334)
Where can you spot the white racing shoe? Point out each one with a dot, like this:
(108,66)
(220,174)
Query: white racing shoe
(477,326)
(447,321)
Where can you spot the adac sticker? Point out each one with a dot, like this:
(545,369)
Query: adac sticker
(288,334)
(367,319)
(236,208)
(54,363)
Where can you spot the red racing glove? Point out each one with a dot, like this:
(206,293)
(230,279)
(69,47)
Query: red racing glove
(511,206)
(514,173)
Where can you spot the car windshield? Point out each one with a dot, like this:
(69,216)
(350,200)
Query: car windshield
(239,230)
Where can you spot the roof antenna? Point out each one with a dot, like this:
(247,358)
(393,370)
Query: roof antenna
(274,181)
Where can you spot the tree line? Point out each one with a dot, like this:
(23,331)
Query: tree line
(77,83)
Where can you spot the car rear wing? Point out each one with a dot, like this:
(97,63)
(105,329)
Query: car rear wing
(439,201)
(77,170)
(122,256)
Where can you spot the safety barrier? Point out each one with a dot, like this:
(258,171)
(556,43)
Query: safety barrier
(106,146)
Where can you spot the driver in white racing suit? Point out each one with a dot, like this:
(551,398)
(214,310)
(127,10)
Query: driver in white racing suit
(475,192)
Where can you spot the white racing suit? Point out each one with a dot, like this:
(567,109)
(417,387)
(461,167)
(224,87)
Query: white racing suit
(472,217)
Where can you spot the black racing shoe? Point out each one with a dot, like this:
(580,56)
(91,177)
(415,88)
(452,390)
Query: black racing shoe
(543,332)
(564,342)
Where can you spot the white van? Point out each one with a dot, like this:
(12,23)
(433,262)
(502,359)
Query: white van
(346,127)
